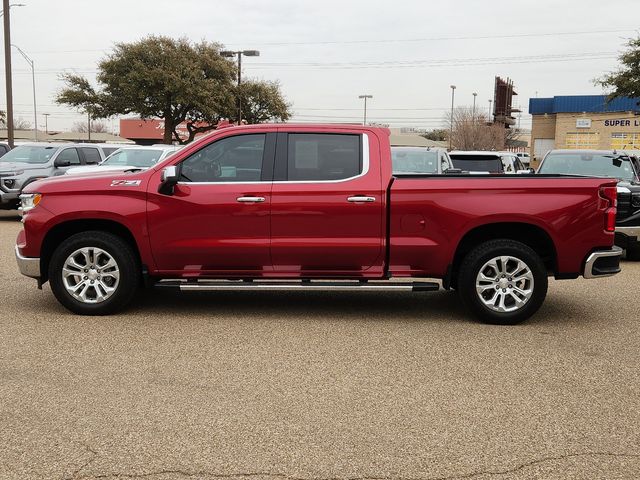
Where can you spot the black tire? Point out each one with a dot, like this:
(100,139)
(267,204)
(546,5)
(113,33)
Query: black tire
(474,261)
(125,258)
(633,251)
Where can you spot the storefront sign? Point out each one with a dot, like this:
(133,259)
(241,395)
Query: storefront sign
(583,123)
(622,123)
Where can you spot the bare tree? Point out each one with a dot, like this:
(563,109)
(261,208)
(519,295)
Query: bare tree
(97,126)
(474,131)
(21,124)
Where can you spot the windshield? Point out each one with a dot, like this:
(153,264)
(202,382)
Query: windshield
(29,154)
(131,157)
(414,160)
(477,163)
(590,164)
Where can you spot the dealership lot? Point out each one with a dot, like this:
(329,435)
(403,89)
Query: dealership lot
(316,385)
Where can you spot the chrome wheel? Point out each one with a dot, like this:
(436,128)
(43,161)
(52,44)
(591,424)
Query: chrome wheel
(504,284)
(90,275)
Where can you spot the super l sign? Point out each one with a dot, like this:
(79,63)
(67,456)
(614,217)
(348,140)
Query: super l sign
(622,123)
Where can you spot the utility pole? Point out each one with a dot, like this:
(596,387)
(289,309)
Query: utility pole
(453,94)
(46,123)
(364,122)
(490,111)
(88,127)
(7,70)
(239,54)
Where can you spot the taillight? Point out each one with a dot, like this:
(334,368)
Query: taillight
(610,194)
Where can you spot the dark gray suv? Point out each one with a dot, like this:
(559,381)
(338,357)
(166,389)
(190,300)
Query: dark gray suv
(33,161)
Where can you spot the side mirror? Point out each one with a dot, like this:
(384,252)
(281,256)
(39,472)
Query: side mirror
(168,180)
(59,162)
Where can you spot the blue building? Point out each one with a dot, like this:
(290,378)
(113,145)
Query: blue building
(584,121)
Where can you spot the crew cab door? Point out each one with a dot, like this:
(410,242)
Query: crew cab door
(217,219)
(327,204)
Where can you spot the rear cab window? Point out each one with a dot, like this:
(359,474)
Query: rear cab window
(477,162)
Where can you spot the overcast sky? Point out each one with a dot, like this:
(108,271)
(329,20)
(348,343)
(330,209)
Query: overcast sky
(406,53)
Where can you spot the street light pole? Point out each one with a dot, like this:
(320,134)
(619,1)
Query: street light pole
(364,122)
(239,54)
(474,105)
(490,111)
(33,82)
(46,123)
(453,94)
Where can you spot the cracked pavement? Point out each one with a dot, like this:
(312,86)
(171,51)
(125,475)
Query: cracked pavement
(318,386)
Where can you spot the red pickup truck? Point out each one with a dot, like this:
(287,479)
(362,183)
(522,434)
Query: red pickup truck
(269,207)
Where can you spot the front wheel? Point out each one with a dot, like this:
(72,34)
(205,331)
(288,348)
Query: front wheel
(503,282)
(94,273)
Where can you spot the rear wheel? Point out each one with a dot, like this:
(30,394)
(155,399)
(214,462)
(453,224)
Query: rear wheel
(94,273)
(503,282)
(633,251)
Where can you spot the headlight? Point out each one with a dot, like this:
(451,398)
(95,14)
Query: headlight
(9,182)
(29,201)
(635,200)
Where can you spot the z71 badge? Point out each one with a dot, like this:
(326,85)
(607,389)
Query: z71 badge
(125,183)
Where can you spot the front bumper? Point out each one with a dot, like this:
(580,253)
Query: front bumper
(603,263)
(28,266)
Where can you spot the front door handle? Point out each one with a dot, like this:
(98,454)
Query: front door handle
(250,199)
(361,199)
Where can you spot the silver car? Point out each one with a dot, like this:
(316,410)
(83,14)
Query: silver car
(127,158)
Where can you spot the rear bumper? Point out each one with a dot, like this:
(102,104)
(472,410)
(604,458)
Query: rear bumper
(629,231)
(28,266)
(603,263)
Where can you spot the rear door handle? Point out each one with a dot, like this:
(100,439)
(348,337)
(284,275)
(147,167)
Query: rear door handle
(361,199)
(250,199)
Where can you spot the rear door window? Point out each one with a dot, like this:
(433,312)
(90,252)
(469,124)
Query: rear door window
(323,156)
(91,155)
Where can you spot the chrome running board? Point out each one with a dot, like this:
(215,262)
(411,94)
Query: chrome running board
(305,285)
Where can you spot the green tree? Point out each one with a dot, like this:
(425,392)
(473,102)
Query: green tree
(159,77)
(262,102)
(625,82)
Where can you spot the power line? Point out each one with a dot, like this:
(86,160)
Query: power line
(445,62)
(437,39)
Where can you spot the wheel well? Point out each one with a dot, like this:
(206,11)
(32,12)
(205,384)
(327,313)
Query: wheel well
(62,231)
(531,235)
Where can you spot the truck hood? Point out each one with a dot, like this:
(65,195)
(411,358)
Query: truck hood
(97,169)
(12,167)
(106,181)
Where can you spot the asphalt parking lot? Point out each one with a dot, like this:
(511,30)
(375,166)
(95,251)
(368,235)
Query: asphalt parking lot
(305,386)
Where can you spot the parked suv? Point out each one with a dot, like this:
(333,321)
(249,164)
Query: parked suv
(421,160)
(612,164)
(33,161)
